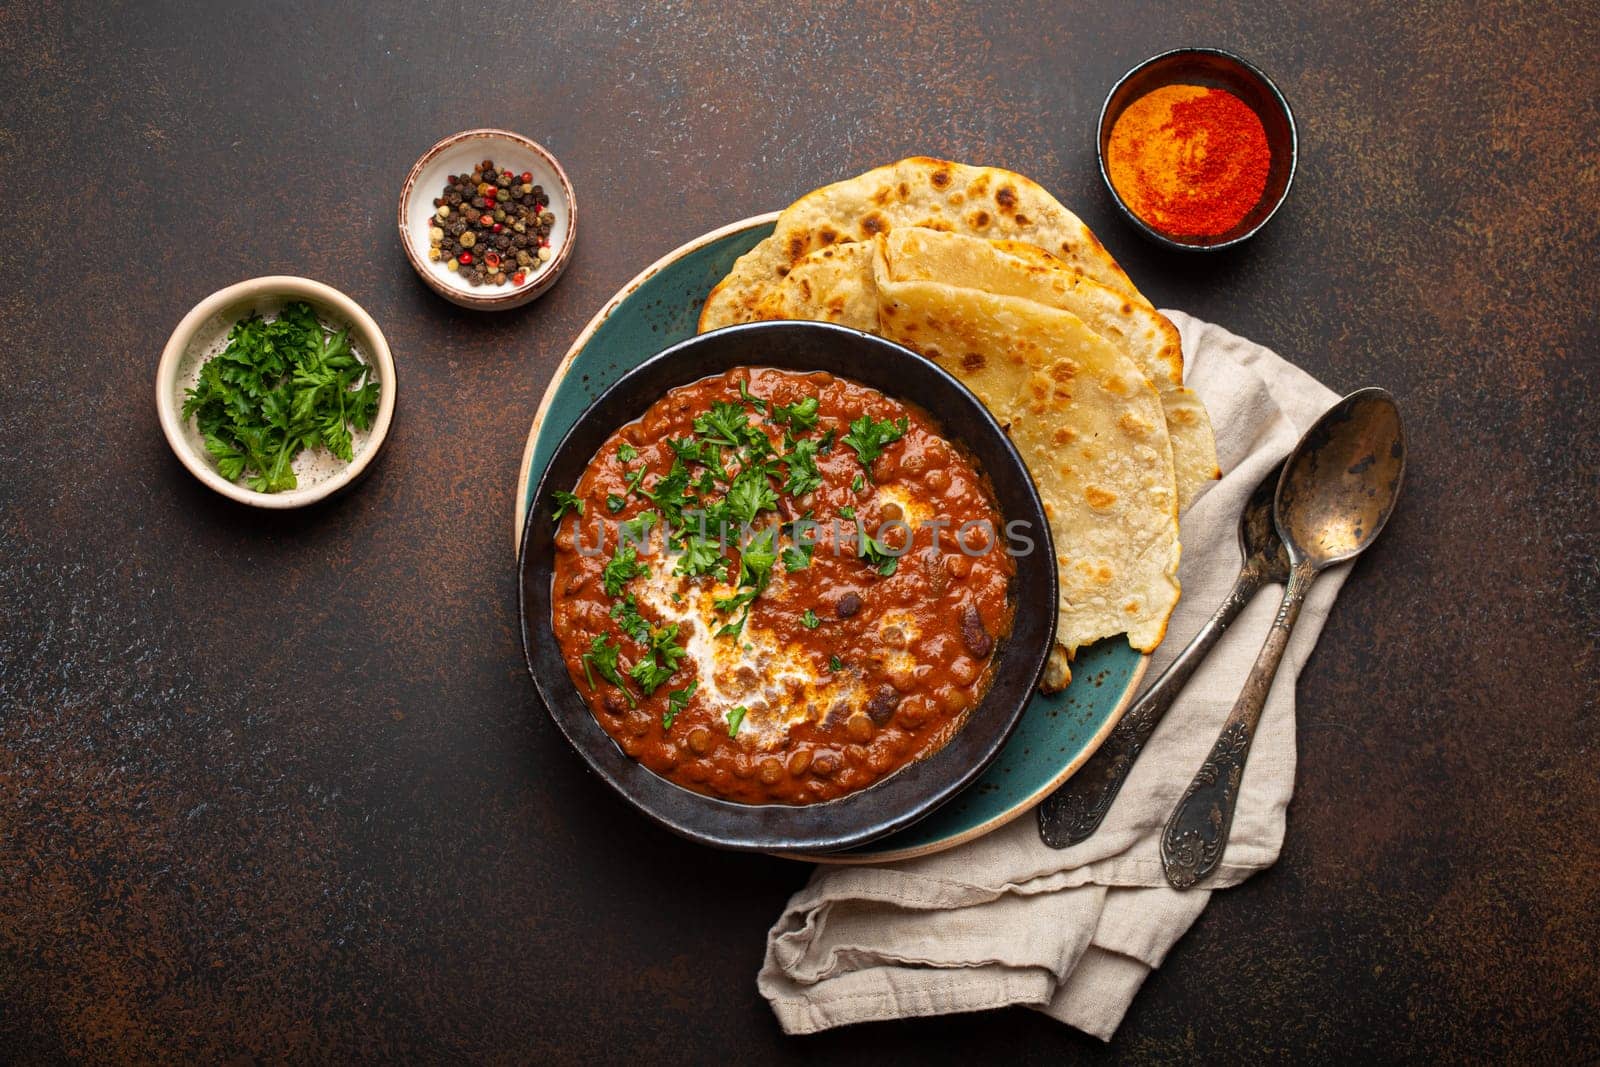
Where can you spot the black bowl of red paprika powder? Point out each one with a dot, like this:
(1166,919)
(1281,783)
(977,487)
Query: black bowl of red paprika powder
(1198,148)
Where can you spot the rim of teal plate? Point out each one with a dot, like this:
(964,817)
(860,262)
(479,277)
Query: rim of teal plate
(1075,721)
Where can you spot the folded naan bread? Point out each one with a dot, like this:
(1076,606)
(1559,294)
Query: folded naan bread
(835,284)
(1140,332)
(953,197)
(1089,425)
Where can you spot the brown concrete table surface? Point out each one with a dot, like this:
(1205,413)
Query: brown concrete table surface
(277,786)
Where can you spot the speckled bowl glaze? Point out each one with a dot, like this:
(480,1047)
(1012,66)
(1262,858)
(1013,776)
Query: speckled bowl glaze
(456,154)
(1057,733)
(203,333)
(1221,70)
(902,798)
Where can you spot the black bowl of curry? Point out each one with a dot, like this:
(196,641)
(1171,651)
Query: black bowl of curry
(774,600)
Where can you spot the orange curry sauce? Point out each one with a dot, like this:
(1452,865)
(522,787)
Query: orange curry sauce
(847,667)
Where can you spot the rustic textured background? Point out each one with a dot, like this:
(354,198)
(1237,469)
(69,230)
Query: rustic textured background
(277,786)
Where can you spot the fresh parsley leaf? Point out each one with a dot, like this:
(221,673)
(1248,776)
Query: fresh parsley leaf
(809,620)
(802,467)
(636,531)
(835,664)
(802,414)
(826,444)
(757,557)
(754,401)
(701,556)
(636,626)
(670,492)
(735,718)
(627,453)
(615,503)
(565,502)
(749,495)
(603,657)
(623,568)
(856,484)
(739,602)
(797,557)
(876,554)
(661,662)
(725,424)
(847,513)
(690,449)
(869,437)
(677,701)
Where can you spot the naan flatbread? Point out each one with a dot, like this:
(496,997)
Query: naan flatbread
(835,284)
(980,201)
(1009,268)
(1091,429)
(832,284)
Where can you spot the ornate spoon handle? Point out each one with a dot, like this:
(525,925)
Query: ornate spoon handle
(1197,831)
(1074,811)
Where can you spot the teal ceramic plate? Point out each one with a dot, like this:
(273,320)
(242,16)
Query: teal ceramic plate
(1057,733)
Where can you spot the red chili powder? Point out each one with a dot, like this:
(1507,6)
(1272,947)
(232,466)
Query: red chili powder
(1189,160)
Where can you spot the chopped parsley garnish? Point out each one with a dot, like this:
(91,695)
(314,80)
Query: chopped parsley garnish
(827,442)
(625,565)
(725,424)
(757,557)
(735,718)
(677,700)
(835,664)
(749,495)
(661,662)
(847,513)
(754,401)
(670,493)
(701,556)
(856,484)
(797,557)
(615,503)
(636,531)
(739,602)
(877,554)
(636,626)
(802,467)
(602,656)
(565,502)
(809,620)
(801,415)
(870,437)
(694,450)
(627,453)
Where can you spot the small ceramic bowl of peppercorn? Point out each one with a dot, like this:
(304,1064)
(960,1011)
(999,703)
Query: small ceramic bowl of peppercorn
(1197,148)
(488,219)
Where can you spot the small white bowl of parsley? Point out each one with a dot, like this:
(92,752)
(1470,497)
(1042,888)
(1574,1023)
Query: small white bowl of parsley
(276,392)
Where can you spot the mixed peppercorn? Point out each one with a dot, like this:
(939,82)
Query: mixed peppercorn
(491,226)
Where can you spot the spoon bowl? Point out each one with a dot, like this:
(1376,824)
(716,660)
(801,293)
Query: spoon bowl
(1339,488)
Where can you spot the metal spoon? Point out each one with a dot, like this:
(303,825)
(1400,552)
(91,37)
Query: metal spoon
(1338,488)
(1073,812)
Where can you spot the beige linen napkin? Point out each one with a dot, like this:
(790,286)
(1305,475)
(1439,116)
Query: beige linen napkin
(1004,919)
